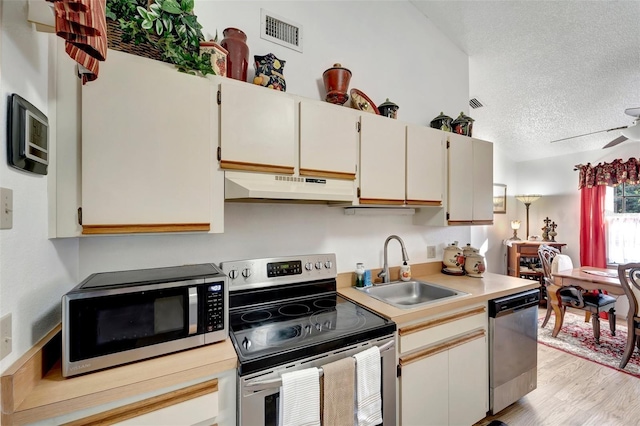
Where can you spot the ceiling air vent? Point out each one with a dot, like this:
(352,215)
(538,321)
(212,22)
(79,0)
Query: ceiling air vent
(281,31)
(475,103)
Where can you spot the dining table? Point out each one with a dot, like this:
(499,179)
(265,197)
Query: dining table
(585,277)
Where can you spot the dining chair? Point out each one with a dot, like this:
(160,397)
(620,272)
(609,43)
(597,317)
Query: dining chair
(575,297)
(629,275)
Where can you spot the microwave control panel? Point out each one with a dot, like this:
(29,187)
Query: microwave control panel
(215,307)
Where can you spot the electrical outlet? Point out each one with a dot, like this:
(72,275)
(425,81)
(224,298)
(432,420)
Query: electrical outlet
(5,336)
(6,208)
(431,252)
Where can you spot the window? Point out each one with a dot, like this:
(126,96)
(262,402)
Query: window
(626,198)
(622,217)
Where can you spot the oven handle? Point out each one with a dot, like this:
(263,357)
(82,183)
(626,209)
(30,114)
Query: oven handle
(275,383)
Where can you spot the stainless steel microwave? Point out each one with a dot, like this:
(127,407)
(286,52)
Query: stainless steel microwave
(113,318)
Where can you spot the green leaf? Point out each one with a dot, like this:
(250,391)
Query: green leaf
(143,12)
(171,6)
(159,27)
(187,5)
(155,8)
(168,24)
(147,25)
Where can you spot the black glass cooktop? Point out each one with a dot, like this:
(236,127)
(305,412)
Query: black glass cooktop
(276,333)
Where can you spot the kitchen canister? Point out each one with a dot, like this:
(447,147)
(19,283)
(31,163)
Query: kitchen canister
(453,260)
(388,109)
(235,42)
(474,265)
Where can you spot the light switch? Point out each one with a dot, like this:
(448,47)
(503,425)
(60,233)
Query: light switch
(6,208)
(5,336)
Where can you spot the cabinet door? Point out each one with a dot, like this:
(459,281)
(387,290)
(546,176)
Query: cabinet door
(382,160)
(468,382)
(460,177)
(424,391)
(482,182)
(146,148)
(425,158)
(328,140)
(257,129)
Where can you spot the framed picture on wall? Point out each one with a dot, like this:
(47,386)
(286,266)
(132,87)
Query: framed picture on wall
(499,198)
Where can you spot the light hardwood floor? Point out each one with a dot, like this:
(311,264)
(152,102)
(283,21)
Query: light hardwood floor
(574,391)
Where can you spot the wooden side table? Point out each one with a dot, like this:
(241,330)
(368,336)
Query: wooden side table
(523,260)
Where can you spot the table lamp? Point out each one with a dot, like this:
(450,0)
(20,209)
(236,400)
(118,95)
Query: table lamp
(527,200)
(515,225)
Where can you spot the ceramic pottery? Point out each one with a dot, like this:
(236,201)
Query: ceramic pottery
(442,122)
(235,42)
(336,83)
(218,56)
(474,265)
(453,259)
(463,125)
(469,250)
(269,72)
(388,109)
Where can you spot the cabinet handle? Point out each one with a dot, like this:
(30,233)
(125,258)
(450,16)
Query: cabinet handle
(441,347)
(440,321)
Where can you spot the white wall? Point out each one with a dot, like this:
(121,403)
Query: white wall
(393,52)
(35,272)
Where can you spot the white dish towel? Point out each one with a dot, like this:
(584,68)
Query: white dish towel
(300,398)
(368,382)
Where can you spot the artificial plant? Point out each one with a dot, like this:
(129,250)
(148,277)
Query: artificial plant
(172,21)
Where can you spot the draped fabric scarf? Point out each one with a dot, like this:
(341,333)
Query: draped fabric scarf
(82,23)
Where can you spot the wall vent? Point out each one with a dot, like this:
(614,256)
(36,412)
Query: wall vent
(475,103)
(280,30)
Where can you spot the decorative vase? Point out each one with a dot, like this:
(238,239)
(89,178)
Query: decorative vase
(463,125)
(235,42)
(269,72)
(336,83)
(218,56)
(442,122)
(388,109)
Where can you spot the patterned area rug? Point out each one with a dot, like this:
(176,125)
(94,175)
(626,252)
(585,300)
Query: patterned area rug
(576,338)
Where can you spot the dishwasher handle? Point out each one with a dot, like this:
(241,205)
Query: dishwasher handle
(512,303)
(514,309)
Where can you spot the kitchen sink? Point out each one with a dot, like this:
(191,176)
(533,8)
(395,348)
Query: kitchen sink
(411,294)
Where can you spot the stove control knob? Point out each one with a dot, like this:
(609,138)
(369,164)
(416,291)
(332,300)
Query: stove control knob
(318,326)
(327,324)
(318,265)
(246,272)
(328,264)
(308,266)
(307,328)
(233,274)
(246,343)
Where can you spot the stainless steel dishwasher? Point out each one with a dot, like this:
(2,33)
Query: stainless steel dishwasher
(513,348)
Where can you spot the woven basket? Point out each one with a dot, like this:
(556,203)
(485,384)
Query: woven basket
(147,50)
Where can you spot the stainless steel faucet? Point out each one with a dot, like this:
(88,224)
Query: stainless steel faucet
(384,274)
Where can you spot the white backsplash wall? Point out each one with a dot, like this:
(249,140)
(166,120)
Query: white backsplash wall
(268,230)
(392,50)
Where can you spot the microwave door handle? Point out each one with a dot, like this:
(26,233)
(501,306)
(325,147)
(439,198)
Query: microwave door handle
(193,310)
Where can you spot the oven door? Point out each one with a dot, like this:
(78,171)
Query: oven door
(118,326)
(259,393)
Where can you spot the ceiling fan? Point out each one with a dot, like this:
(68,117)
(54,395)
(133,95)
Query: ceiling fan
(631,132)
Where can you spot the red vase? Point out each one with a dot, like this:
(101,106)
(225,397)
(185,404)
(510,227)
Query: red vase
(235,41)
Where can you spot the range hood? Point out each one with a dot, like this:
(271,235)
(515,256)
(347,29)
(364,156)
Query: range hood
(262,186)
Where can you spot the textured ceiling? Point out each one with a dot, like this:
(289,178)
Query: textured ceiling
(546,70)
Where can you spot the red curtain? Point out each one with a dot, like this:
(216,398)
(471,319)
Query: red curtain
(593,249)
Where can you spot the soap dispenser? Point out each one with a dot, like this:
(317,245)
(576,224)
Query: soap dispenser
(405,272)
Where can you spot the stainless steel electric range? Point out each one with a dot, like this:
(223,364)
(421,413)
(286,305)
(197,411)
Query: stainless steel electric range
(285,314)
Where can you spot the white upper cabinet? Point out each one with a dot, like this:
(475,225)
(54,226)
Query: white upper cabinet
(328,140)
(382,160)
(470,181)
(257,128)
(147,155)
(425,166)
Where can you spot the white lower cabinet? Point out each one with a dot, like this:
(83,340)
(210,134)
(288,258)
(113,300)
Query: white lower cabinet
(446,381)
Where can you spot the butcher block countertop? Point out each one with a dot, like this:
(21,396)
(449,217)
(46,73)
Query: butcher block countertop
(490,286)
(33,387)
